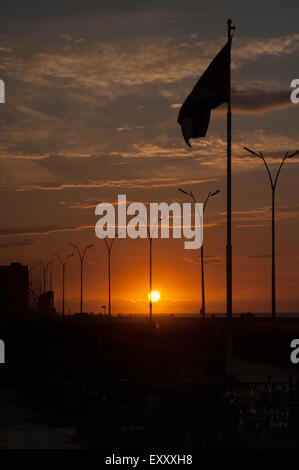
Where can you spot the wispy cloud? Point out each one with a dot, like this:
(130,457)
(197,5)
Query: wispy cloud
(107,67)
(17,232)
(12,244)
(261,216)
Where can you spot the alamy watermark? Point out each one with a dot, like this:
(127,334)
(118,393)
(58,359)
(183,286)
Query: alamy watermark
(294,357)
(2,352)
(294,97)
(2,92)
(113,223)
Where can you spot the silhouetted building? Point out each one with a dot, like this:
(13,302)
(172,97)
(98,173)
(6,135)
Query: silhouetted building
(14,289)
(46,303)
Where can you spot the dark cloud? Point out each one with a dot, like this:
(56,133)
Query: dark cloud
(153,167)
(259,101)
(40,230)
(18,9)
(17,244)
(209,259)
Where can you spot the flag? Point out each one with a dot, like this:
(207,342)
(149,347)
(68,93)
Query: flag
(211,90)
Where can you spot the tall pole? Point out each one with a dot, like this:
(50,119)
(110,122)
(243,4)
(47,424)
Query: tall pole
(230,28)
(81,298)
(150,236)
(150,279)
(63,265)
(109,248)
(44,271)
(81,256)
(273,184)
(273,256)
(63,288)
(30,289)
(203,298)
(203,302)
(50,278)
(109,282)
(45,274)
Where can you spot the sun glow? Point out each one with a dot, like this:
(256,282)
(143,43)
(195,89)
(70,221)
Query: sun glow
(155,295)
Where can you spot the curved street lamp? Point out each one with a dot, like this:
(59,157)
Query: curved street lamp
(191,195)
(81,256)
(273,183)
(45,269)
(31,268)
(150,237)
(109,248)
(63,264)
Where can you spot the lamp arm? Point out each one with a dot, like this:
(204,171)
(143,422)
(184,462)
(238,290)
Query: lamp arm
(60,259)
(85,249)
(78,251)
(206,201)
(268,171)
(111,243)
(278,171)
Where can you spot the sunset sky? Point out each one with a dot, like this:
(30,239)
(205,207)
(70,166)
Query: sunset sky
(93,90)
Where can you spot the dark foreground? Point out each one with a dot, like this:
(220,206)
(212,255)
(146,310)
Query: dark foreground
(126,383)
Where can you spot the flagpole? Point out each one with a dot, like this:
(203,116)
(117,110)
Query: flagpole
(230,28)
(194,117)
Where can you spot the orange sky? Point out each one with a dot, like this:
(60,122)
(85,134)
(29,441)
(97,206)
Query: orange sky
(92,98)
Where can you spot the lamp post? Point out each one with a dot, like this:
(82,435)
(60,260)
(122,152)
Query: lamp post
(45,269)
(63,264)
(150,236)
(109,247)
(273,183)
(31,268)
(203,301)
(150,278)
(81,256)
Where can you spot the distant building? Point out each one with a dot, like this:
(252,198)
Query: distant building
(46,303)
(14,289)
(247,316)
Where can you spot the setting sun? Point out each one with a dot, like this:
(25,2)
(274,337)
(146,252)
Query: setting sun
(155,296)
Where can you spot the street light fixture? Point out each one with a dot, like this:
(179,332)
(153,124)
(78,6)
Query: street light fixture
(150,237)
(150,249)
(81,256)
(109,247)
(63,264)
(31,268)
(45,269)
(210,194)
(273,183)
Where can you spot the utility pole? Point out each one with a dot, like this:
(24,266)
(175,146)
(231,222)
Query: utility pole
(150,236)
(109,248)
(63,265)
(229,311)
(203,301)
(44,269)
(81,257)
(273,184)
